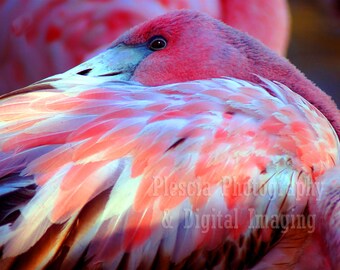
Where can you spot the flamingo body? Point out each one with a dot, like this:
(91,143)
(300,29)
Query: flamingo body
(124,162)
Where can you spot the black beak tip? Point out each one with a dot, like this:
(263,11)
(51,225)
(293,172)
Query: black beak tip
(86,72)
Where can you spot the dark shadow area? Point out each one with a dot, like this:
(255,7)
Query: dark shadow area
(315,43)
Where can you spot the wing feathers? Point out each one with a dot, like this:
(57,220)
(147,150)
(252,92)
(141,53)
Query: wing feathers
(107,174)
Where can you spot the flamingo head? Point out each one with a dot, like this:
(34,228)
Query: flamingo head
(176,47)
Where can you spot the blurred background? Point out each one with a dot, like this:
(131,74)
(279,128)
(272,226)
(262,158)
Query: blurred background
(41,38)
(315,42)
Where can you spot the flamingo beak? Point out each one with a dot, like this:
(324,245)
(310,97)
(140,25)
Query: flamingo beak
(119,62)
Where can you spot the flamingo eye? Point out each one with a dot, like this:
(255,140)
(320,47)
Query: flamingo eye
(157,43)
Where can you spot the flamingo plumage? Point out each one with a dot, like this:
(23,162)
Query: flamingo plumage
(166,153)
(43,38)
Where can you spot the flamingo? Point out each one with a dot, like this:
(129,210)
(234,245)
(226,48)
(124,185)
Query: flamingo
(42,38)
(185,144)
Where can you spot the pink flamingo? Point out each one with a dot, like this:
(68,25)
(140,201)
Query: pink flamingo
(147,156)
(42,38)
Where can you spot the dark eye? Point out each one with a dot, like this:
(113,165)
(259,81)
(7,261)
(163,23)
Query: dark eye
(157,43)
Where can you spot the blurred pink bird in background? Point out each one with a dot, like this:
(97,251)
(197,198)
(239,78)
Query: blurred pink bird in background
(42,38)
(147,156)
